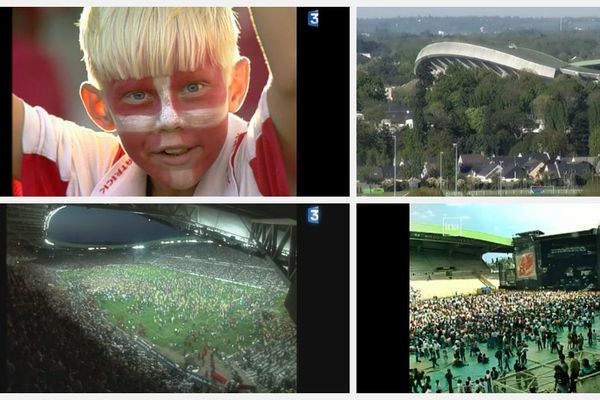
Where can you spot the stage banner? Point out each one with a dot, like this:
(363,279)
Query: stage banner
(526,264)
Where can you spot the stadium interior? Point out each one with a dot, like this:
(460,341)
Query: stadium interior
(437,257)
(171,298)
(518,313)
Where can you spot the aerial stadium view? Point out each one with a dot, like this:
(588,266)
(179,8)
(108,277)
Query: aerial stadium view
(151,298)
(478,101)
(504,298)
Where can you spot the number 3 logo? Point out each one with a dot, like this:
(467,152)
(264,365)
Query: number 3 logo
(313,215)
(313,18)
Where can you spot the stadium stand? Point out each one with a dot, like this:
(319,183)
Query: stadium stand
(66,343)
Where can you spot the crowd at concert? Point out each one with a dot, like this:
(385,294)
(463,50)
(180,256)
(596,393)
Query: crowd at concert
(497,331)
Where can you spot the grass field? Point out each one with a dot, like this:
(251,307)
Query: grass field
(179,311)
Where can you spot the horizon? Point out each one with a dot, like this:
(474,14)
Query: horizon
(477,12)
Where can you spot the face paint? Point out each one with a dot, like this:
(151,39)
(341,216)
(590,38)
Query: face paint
(182,179)
(135,123)
(204,118)
(173,127)
(168,118)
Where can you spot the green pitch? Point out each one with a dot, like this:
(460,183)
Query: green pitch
(180,311)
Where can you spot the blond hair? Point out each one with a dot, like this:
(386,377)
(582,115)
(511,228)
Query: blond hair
(134,43)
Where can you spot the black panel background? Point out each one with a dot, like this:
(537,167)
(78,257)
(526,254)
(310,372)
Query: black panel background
(323,102)
(324,301)
(382,298)
(6,102)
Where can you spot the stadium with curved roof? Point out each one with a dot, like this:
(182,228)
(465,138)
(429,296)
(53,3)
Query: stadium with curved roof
(439,253)
(437,57)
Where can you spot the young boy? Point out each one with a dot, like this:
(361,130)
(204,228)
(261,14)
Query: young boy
(167,81)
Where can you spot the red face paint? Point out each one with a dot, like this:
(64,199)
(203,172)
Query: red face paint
(172,127)
(122,101)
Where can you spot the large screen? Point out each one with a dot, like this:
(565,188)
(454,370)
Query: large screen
(525,263)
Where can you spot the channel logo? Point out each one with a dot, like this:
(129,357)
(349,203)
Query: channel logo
(312,215)
(313,18)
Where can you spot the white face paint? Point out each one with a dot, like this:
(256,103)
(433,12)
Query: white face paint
(204,117)
(135,123)
(169,119)
(182,179)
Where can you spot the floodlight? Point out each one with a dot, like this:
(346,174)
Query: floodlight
(50,215)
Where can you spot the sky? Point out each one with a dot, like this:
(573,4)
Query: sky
(507,219)
(80,224)
(391,12)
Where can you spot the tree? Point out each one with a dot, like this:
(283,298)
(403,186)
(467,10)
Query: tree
(420,103)
(368,87)
(553,142)
(555,114)
(436,115)
(412,153)
(486,92)
(384,68)
(593,103)
(477,118)
(373,111)
(502,142)
(526,144)
(539,105)
(366,138)
(580,134)
(568,90)
(594,142)
(406,94)
(530,86)
(437,142)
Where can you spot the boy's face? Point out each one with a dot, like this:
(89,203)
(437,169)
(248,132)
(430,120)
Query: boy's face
(174,126)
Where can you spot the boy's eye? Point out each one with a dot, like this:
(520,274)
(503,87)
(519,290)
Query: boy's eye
(136,97)
(193,87)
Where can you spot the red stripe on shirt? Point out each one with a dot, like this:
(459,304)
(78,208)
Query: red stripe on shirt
(120,153)
(236,144)
(267,165)
(40,177)
(17,188)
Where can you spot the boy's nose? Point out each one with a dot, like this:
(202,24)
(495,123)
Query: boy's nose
(169,120)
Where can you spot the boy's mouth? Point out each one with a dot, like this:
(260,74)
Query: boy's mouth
(176,156)
(176,151)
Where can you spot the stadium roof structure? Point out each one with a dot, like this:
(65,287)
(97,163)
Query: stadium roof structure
(268,228)
(594,64)
(463,241)
(28,222)
(437,57)
(569,235)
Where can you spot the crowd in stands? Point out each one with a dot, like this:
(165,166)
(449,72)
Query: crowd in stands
(214,252)
(267,354)
(452,331)
(58,343)
(271,358)
(253,276)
